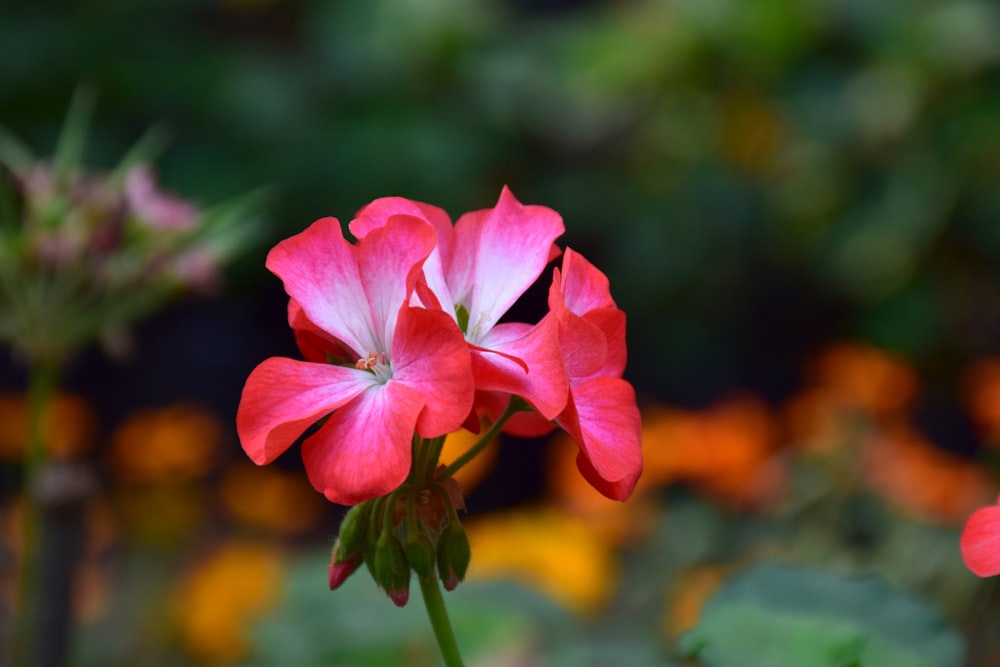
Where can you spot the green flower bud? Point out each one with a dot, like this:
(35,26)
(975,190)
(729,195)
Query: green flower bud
(453,555)
(353,528)
(392,572)
(420,553)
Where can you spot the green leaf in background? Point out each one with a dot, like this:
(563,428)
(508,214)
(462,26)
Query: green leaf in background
(777,616)
(357,625)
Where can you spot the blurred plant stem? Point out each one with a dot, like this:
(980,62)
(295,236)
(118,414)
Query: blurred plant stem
(53,536)
(434,602)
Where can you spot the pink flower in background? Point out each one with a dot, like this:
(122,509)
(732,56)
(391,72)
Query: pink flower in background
(480,268)
(408,368)
(980,542)
(153,206)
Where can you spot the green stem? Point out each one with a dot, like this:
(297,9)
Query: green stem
(42,382)
(438,614)
(515,405)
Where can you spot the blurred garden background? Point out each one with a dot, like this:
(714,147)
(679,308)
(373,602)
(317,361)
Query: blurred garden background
(797,203)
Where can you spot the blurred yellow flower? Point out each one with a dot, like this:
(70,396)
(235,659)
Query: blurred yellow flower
(278,500)
(68,426)
(174,443)
(561,556)
(220,595)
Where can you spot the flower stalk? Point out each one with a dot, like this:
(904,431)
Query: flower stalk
(436,611)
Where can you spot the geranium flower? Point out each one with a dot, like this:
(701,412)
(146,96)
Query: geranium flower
(980,541)
(480,268)
(601,412)
(393,369)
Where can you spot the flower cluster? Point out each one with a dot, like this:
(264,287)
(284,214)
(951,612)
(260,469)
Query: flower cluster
(404,342)
(85,253)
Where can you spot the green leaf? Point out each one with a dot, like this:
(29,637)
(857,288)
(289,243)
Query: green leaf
(781,616)
(69,150)
(13,152)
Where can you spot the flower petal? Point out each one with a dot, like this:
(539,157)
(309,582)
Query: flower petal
(603,418)
(314,343)
(283,397)
(545,385)
(390,260)
(584,287)
(499,253)
(363,450)
(430,355)
(353,292)
(378,213)
(319,270)
(980,542)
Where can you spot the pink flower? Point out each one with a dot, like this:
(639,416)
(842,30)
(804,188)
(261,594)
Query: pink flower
(404,369)
(479,269)
(154,206)
(601,413)
(980,542)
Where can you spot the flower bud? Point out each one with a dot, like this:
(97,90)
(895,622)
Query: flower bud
(342,566)
(392,572)
(420,553)
(353,528)
(453,555)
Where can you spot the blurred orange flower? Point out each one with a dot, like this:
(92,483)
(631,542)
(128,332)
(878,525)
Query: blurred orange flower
(161,514)
(69,426)
(981,386)
(473,472)
(728,450)
(573,494)
(692,590)
(562,556)
(221,594)
(278,500)
(865,377)
(921,479)
(174,443)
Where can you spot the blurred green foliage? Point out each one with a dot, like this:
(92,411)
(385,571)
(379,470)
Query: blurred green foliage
(754,177)
(757,179)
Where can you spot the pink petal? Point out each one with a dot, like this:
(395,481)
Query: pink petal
(378,213)
(314,343)
(584,346)
(353,292)
(619,490)
(545,385)
(603,418)
(430,356)
(583,285)
(319,270)
(390,260)
(363,450)
(980,541)
(283,397)
(499,253)
(611,321)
